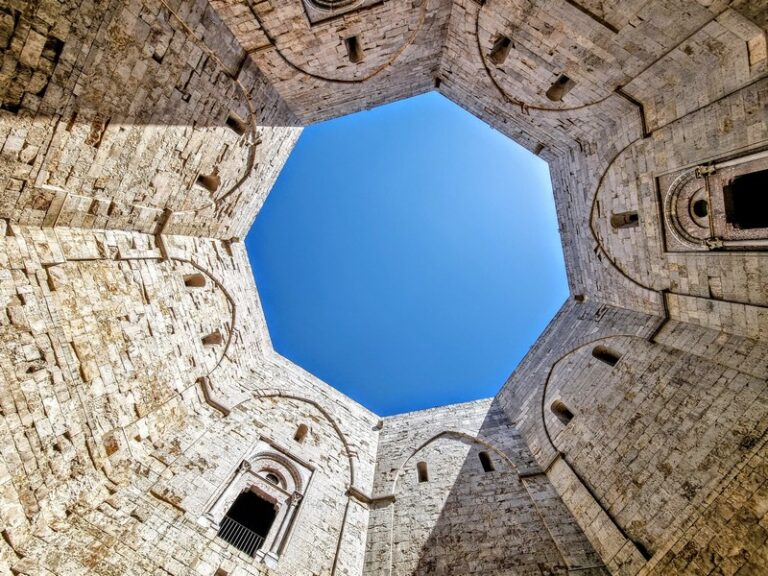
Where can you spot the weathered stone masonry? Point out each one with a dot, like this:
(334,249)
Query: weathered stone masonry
(139,392)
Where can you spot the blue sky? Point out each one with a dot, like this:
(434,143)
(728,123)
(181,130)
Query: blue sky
(408,255)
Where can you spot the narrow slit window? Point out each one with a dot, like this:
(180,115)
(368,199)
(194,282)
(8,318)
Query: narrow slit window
(301,433)
(560,88)
(746,200)
(562,412)
(421,469)
(247,523)
(237,124)
(194,280)
(210,182)
(213,339)
(605,355)
(486,461)
(624,220)
(500,50)
(354,49)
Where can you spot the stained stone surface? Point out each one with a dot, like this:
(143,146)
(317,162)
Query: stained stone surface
(138,140)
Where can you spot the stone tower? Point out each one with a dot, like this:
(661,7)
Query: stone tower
(141,401)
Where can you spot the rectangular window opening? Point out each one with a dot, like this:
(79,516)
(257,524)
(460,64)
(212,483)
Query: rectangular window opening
(560,88)
(354,49)
(500,50)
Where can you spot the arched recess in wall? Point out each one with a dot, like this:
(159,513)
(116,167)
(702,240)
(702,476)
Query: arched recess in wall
(643,197)
(655,395)
(559,79)
(503,51)
(616,199)
(276,395)
(431,509)
(361,30)
(269,439)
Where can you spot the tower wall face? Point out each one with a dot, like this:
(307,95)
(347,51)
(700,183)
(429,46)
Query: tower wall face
(451,520)
(114,449)
(140,392)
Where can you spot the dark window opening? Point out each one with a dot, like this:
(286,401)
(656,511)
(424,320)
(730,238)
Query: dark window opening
(247,523)
(500,50)
(560,88)
(562,412)
(746,200)
(605,355)
(700,208)
(194,280)
(272,478)
(237,125)
(210,182)
(354,49)
(485,460)
(53,49)
(421,469)
(624,220)
(301,433)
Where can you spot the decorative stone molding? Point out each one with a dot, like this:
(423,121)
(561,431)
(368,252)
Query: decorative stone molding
(257,474)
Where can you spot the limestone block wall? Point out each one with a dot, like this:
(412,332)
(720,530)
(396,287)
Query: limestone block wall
(702,101)
(308,63)
(113,448)
(659,445)
(460,518)
(111,114)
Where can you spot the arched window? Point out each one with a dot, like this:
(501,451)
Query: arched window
(605,355)
(247,523)
(624,220)
(560,88)
(194,280)
(301,433)
(562,412)
(421,469)
(485,460)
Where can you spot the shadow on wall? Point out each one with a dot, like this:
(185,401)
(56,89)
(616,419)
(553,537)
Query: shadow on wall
(668,435)
(117,118)
(472,513)
(144,65)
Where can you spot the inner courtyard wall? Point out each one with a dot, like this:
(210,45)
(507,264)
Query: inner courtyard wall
(451,520)
(113,444)
(139,140)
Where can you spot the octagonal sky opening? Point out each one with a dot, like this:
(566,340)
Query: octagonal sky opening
(409,256)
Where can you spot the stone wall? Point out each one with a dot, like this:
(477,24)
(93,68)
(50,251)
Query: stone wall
(138,140)
(111,113)
(112,446)
(453,520)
